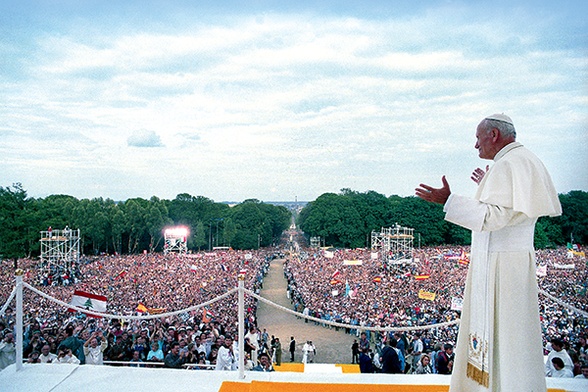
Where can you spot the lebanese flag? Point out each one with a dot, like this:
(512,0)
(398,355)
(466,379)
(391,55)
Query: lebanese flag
(335,274)
(88,301)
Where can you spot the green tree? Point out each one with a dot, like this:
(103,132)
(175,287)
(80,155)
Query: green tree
(229,231)
(574,220)
(156,219)
(198,236)
(13,221)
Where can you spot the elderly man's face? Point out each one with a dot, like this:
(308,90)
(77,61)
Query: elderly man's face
(484,143)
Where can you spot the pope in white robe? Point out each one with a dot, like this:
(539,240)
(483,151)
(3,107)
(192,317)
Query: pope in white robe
(499,346)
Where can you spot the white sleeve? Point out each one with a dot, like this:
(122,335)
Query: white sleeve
(477,216)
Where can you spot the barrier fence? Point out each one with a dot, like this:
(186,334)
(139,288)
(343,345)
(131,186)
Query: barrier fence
(240,290)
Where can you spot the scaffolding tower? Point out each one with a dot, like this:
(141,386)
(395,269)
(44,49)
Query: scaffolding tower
(396,243)
(60,251)
(176,240)
(315,242)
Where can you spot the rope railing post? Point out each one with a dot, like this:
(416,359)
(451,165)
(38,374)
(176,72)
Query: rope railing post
(19,320)
(241,327)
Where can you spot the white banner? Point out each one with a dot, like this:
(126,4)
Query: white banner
(542,270)
(456,303)
(564,266)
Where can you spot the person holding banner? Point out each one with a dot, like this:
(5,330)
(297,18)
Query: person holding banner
(500,312)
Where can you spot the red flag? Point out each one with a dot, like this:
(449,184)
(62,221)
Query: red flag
(377,279)
(422,277)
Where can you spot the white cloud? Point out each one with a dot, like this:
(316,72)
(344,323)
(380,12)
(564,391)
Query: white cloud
(144,138)
(262,102)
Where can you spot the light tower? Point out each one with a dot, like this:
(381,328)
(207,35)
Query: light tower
(176,240)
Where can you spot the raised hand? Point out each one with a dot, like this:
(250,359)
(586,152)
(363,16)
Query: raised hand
(434,195)
(478,174)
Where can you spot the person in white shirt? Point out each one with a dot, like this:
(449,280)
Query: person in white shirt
(557,352)
(305,351)
(46,355)
(7,351)
(226,359)
(559,369)
(65,356)
(253,337)
(94,353)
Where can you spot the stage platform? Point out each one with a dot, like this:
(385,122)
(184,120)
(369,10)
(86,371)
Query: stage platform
(314,377)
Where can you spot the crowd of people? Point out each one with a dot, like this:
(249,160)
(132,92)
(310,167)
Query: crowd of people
(135,285)
(358,287)
(364,289)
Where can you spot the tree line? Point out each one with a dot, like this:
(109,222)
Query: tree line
(137,224)
(347,219)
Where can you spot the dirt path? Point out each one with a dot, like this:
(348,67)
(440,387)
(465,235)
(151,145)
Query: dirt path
(332,346)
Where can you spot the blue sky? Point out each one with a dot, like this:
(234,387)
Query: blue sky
(276,100)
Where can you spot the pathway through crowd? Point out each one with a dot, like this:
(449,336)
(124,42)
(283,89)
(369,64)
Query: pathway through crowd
(332,346)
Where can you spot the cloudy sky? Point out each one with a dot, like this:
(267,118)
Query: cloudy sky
(281,99)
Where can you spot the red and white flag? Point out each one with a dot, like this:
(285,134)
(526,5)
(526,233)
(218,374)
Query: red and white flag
(88,301)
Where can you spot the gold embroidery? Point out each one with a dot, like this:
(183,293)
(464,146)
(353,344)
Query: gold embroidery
(479,376)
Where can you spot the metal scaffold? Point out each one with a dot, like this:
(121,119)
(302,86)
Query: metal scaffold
(60,251)
(175,240)
(396,244)
(315,242)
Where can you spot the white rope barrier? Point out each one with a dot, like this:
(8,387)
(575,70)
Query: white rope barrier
(270,303)
(117,316)
(562,303)
(351,326)
(10,298)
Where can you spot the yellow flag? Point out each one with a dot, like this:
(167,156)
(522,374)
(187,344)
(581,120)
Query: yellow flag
(427,295)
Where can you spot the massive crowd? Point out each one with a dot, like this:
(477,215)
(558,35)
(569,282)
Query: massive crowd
(357,287)
(360,287)
(160,283)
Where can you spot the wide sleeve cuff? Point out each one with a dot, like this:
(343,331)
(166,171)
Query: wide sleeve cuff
(465,212)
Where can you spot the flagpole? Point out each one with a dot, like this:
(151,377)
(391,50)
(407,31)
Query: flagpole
(241,328)
(19,316)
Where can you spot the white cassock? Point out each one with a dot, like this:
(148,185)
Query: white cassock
(499,346)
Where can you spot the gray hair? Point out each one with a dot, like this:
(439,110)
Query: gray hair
(505,128)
